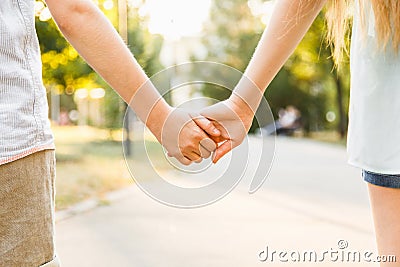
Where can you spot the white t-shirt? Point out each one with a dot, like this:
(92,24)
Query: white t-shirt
(374,127)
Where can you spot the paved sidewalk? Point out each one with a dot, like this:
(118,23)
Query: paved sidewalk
(311,200)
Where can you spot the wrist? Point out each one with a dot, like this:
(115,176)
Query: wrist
(247,95)
(157,117)
(242,109)
(240,105)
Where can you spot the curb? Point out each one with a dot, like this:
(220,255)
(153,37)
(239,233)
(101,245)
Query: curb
(93,203)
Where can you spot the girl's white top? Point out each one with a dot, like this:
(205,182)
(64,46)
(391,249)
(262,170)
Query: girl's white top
(374,116)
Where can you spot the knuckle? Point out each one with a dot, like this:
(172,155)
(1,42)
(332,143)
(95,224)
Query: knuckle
(190,147)
(185,147)
(196,150)
(208,124)
(198,133)
(200,137)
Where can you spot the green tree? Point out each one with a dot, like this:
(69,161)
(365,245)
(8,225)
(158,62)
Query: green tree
(64,71)
(230,37)
(307,81)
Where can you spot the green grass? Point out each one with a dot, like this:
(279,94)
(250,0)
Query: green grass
(90,163)
(332,137)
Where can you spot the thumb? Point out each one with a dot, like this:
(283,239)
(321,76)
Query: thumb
(222,150)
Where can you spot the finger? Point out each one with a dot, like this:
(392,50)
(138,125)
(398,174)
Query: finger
(193,157)
(206,125)
(185,161)
(208,144)
(204,153)
(218,139)
(222,150)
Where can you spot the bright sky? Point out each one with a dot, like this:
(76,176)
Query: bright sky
(176,18)
(262,9)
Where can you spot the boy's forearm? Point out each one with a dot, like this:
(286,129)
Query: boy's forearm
(96,40)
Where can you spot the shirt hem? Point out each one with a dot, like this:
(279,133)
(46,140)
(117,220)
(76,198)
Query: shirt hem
(372,169)
(27,153)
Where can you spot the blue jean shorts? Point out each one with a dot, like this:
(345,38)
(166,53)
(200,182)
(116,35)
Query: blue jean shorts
(385,180)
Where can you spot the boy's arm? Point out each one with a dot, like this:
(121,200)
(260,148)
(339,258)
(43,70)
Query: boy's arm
(95,39)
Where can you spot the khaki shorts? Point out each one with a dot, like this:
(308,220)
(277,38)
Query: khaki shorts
(27,211)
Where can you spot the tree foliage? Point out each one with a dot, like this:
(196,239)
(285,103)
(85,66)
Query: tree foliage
(64,71)
(307,80)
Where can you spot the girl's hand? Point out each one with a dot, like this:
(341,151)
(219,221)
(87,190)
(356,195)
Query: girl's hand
(233,118)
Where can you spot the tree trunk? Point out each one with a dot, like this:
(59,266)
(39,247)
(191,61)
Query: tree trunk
(342,126)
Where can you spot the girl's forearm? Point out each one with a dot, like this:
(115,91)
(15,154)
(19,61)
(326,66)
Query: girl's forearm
(289,23)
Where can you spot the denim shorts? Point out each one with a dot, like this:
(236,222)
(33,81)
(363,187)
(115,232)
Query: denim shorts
(385,180)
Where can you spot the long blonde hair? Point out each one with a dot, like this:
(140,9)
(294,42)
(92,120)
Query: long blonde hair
(387,24)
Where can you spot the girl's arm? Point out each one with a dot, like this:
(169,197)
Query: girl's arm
(289,23)
(93,36)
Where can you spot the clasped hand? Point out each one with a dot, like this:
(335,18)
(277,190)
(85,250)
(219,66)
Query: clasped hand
(218,128)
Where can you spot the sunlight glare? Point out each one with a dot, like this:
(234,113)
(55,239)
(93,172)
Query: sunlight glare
(45,14)
(176,18)
(262,9)
(108,4)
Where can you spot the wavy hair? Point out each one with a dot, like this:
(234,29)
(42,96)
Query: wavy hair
(339,14)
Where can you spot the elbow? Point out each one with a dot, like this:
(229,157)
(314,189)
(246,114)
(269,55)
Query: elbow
(71,16)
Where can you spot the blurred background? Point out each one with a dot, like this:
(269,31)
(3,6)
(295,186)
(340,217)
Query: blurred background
(312,197)
(163,33)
